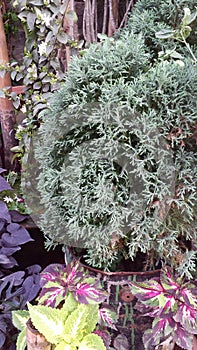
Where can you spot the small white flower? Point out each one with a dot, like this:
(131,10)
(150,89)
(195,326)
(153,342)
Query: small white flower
(8,199)
(46,19)
(42,48)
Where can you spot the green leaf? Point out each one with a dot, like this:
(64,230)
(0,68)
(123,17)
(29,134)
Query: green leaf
(81,322)
(92,342)
(187,15)
(48,321)
(20,318)
(31,17)
(72,16)
(21,340)
(64,346)
(62,37)
(70,304)
(165,34)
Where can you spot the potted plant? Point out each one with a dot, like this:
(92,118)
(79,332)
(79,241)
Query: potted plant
(172,303)
(69,313)
(116,154)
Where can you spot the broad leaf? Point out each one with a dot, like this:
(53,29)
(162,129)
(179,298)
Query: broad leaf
(187,317)
(183,338)
(92,342)
(146,290)
(21,340)
(48,321)
(64,346)
(81,321)
(86,293)
(165,34)
(72,16)
(20,318)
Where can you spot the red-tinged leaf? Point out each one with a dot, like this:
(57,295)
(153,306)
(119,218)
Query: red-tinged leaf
(52,272)
(187,296)
(161,330)
(183,338)
(146,290)
(187,317)
(87,294)
(107,316)
(168,281)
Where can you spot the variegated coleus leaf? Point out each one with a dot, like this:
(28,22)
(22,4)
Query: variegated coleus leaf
(183,338)
(187,317)
(107,316)
(162,329)
(146,290)
(57,280)
(169,281)
(89,293)
(188,294)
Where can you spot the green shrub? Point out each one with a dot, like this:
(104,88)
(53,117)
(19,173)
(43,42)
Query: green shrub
(151,16)
(121,120)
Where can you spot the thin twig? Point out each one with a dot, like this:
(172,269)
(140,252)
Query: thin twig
(126,14)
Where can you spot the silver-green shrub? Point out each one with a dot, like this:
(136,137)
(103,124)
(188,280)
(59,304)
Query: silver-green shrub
(117,155)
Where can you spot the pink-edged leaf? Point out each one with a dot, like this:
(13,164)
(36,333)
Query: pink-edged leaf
(183,338)
(161,330)
(187,317)
(53,294)
(107,316)
(89,293)
(105,335)
(168,281)
(52,272)
(187,296)
(146,290)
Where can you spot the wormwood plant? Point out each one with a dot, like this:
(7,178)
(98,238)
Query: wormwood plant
(117,155)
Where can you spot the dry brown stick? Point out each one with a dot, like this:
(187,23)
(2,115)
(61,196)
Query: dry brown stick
(126,13)
(105,14)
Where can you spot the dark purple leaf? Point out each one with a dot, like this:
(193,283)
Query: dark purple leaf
(4,185)
(51,273)
(9,250)
(13,280)
(34,269)
(11,264)
(17,217)
(4,213)
(2,338)
(4,259)
(121,342)
(2,225)
(32,287)
(16,235)
(2,170)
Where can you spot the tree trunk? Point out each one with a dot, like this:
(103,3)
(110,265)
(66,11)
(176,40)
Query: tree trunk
(7,115)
